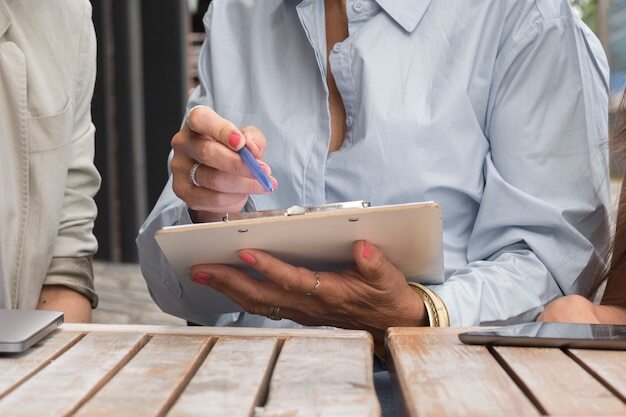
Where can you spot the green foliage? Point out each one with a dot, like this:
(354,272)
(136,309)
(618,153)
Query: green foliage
(587,8)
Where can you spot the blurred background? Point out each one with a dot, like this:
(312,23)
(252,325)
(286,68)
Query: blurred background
(148,51)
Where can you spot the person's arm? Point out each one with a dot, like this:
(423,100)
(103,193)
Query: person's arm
(578,309)
(75,307)
(542,229)
(68,285)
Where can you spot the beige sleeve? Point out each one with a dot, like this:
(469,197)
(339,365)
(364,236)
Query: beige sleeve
(75,243)
(74,273)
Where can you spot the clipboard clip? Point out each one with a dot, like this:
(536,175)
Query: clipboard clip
(296,210)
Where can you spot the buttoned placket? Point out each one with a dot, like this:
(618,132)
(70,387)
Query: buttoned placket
(358,12)
(310,13)
(340,63)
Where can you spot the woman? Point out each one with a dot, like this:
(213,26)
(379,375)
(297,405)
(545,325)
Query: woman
(612,310)
(47,175)
(493,109)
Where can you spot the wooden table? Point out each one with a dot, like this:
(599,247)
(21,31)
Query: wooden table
(439,376)
(113,370)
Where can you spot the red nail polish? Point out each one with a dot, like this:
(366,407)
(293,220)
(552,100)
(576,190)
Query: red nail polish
(367,250)
(199,281)
(247,258)
(201,276)
(233,140)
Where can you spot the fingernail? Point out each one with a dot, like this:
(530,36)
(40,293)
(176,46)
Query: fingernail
(264,167)
(247,258)
(201,278)
(234,139)
(200,281)
(274,183)
(367,250)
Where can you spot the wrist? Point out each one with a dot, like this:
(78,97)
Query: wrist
(414,313)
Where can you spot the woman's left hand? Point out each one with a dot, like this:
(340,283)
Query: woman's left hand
(373,296)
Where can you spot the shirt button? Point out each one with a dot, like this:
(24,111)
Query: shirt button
(337,48)
(357,6)
(349,121)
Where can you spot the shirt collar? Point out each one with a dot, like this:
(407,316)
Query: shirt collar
(407,14)
(5,18)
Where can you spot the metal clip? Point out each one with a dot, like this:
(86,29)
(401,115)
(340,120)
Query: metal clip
(295,210)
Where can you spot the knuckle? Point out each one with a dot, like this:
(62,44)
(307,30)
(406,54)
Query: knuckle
(176,139)
(176,164)
(224,130)
(206,152)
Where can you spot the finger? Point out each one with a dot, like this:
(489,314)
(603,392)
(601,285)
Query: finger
(290,278)
(201,199)
(253,295)
(225,182)
(371,262)
(204,121)
(255,140)
(214,154)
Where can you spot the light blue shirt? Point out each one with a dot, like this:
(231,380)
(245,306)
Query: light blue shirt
(495,109)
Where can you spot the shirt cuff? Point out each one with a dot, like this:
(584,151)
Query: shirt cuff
(75,274)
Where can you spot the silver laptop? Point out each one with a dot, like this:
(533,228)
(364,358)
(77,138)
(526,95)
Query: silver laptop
(20,329)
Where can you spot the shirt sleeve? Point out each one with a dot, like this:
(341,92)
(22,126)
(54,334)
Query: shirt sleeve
(542,229)
(75,244)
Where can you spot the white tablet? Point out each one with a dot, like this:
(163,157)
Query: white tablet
(20,329)
(318,238)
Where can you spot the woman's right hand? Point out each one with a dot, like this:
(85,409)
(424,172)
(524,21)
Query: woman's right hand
(224,181)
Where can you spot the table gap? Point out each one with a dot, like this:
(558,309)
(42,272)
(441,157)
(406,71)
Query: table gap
(270,372)
(109,375)
(43,364)
(594,374)
(517,380)
(189,374)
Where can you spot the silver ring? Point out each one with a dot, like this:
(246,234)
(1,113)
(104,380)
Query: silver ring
(273,313)
(316,275)
(192,174)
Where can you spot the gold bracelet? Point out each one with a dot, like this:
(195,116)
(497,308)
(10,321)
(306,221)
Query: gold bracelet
(435,307)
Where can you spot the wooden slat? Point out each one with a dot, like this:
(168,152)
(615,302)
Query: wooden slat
(16,368)
(217,331)
(610,366)
(438,375)
(152,380)
(61,387)
(559,384)
(323,377)
(231,381)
